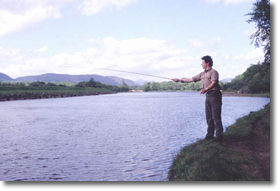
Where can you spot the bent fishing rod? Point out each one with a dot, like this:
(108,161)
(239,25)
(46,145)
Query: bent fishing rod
(135,73)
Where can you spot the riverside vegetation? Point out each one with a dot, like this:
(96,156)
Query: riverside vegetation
(36,90)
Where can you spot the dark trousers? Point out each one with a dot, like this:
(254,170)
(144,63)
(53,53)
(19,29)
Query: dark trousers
(213,109)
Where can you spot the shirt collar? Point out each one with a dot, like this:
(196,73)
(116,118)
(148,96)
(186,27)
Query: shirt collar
(207,70)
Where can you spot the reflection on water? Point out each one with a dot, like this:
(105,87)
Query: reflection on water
(119,137)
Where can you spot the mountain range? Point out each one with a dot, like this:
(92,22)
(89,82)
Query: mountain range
(5,78)
(51,77)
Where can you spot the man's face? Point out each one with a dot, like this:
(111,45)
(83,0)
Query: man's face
(204,64)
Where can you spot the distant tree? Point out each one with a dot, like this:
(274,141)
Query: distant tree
(51,84)
(124,87)
(38,83)
(261,17)
(91,83)
(147,87)
(155,86)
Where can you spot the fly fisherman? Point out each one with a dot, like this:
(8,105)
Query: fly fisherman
(213,103)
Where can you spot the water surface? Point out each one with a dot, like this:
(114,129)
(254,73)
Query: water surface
(116,137)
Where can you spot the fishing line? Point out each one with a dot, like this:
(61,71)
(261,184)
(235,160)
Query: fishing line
(135,73)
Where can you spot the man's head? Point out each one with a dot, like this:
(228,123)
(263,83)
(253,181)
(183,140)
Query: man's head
(206,62)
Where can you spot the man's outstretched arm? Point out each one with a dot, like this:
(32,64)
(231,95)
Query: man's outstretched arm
(183,80)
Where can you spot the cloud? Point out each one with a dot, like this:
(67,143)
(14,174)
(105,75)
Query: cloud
(91,7)
(17,15)
(142,55)
(232,65)
(42,49)
(137,55)
(196,43)
(228,1)
(248,33)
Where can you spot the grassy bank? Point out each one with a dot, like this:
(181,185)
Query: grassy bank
(47,91)
(244,155)
(233,94)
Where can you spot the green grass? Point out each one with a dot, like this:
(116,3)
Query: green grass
(242,128)
(27,92)
(213,161)
(210,161)
(231,93)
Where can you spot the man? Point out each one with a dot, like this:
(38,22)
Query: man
(213,103)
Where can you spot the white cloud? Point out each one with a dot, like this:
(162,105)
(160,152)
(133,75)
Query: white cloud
(248,33)
(233,65)
(196,43)
(228,1)
(237,1)
(255,54)
(91,7)
(42,49)
(143,55)
(17,15)
(138,55)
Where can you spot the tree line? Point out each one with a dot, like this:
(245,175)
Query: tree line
(256,79)
(37,90)
(38,85)
(170,86)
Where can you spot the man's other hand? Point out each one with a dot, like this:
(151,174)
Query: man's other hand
(203,91)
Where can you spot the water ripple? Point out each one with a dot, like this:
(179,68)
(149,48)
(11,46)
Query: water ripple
(121,137)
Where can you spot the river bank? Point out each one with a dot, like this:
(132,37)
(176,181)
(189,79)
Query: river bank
(244,155)
(234,94)
(19,94)
(23,95)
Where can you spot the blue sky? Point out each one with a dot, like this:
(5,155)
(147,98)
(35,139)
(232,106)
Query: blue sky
(160,37)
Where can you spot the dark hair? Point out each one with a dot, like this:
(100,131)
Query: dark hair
(208,59)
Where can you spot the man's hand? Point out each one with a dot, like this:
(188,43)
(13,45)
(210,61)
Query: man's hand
(203,91)
(176,80)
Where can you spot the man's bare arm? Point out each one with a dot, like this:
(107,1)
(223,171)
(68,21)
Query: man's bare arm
(186,80)
(209,87)
(183,80)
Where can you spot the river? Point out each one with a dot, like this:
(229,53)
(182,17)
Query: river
(115,137)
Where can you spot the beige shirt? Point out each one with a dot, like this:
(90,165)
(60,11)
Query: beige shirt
(206,77)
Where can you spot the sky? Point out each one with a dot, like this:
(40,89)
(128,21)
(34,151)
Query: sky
(158,37)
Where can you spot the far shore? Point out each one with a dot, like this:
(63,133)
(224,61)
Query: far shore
(30,96)
(234,94)
(48,96)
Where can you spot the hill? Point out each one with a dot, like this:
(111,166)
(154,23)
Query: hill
(122,81)
(226,80)
(5,78)
(256,79)
(51,77)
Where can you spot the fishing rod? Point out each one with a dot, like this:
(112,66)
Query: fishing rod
(135,73)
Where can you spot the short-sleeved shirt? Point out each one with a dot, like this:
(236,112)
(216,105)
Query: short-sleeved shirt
(206,77)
